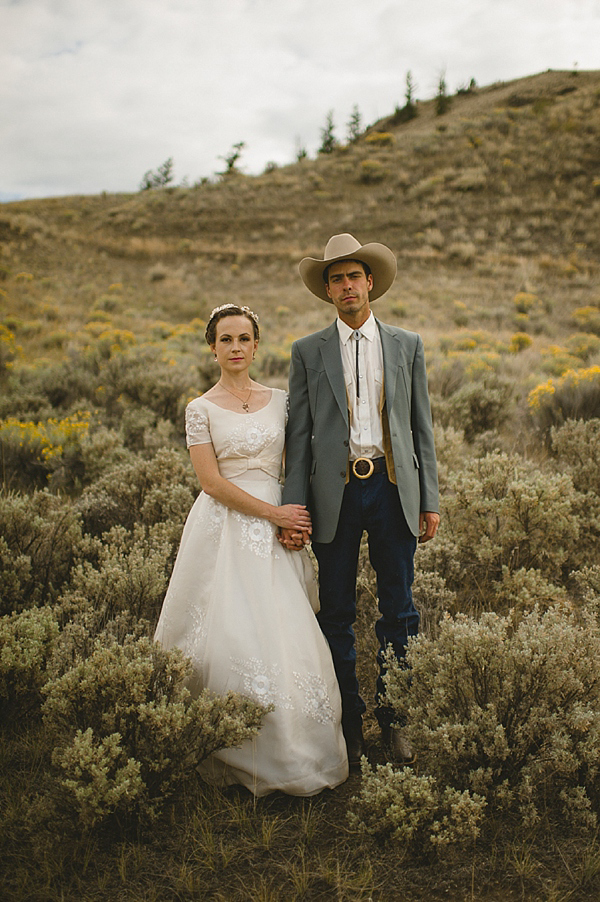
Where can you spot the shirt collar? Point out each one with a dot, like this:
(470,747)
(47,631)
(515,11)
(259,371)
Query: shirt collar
(368,329)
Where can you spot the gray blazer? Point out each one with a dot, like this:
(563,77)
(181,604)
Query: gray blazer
(317,436)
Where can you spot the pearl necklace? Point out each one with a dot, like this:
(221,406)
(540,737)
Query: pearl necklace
(243,403)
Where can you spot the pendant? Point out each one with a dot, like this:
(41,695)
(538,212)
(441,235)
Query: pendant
(245,406)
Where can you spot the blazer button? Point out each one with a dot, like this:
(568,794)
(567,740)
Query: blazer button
(343,474)
(346,442)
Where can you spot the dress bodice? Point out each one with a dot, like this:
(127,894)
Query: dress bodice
(241,441)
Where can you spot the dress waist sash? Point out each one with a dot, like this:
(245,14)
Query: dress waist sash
(230,467)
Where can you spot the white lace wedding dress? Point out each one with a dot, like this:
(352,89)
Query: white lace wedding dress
(239,605)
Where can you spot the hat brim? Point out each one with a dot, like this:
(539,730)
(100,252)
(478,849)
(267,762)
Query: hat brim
(379,258)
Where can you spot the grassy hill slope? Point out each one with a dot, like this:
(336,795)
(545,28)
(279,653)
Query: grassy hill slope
(499,195)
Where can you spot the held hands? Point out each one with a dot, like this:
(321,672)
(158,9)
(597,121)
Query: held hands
(294,518)
(293,540)
(295,526)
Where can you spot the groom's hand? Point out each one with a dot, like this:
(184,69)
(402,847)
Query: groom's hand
(428,525)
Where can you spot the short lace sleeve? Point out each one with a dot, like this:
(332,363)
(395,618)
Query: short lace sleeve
(197,427)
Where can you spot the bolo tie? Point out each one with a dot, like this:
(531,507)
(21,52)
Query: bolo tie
(357,337)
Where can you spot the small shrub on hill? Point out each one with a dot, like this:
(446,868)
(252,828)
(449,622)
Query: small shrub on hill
(557,360)
(520,341)
(380,139)
(371,172)
(506,713)
(9,350)
(127,733)
(583,345)
(588,319)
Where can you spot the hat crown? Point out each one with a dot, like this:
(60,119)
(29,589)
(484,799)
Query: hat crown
(341,246)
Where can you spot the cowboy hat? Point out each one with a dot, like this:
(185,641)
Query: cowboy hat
(379,258)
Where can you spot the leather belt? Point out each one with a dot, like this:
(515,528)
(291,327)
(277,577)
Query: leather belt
(364,467)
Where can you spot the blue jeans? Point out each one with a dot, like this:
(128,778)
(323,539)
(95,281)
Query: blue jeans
(372,505)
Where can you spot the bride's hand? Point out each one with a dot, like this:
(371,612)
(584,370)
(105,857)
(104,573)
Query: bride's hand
(293,516)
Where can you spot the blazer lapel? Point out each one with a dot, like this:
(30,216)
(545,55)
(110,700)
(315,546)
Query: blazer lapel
(332,359)
(389,349)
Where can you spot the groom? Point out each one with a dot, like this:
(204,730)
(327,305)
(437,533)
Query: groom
(360,455)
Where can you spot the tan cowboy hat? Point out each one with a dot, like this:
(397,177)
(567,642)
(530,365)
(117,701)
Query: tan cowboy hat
(379,258)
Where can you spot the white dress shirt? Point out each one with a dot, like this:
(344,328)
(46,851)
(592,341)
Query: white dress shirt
(366,434)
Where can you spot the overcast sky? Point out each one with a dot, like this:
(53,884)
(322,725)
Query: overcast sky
(93,93)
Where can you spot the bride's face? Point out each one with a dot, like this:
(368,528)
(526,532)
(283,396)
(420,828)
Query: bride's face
(235,345)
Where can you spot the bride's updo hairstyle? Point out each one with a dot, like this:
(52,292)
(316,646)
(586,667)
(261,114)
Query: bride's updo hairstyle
(229,310)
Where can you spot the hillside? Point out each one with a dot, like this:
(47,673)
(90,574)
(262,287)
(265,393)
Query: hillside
(500,194)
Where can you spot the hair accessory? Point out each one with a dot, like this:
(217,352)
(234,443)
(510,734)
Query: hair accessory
(253,316)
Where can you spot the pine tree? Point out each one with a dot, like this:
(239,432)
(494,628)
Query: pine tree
(232,157)
(442,101)
(160,178)
(328,140)
(354,124)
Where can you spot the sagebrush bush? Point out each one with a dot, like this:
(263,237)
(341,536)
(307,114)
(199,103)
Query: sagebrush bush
(127,732)
(371,172)
(588,318)
(502,514)
(27,642)
(575,395)
(35,454)
(576,445)
(146,377)
(9,350)
(124,573)
(587,586)
(476,407)
(413,809)
(584,345)
(508,710)
(40,537)
(142,492)
(83,628)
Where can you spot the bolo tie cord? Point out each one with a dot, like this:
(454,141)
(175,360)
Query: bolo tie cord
(357,336)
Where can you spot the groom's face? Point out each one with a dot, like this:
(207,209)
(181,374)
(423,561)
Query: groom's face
(348,286)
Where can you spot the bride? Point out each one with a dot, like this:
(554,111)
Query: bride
(239,604)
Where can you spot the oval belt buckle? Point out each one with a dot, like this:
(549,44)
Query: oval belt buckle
(362,467)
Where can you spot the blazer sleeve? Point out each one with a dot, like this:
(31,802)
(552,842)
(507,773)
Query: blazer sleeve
(298,434)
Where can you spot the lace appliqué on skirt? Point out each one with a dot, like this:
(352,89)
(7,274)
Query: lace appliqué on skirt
(261,682)
(196,633)
(257,535)
(212,517)
(316,704)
